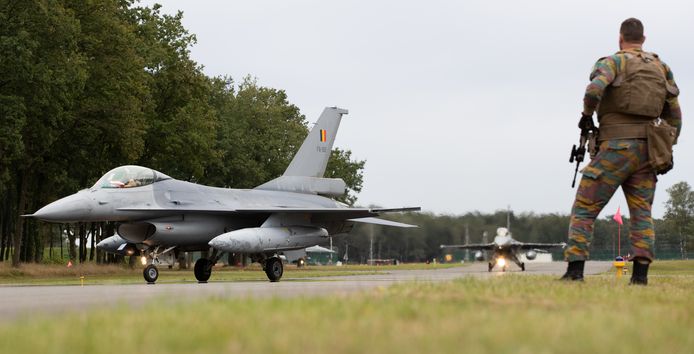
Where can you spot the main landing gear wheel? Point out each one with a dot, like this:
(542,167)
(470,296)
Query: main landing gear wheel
(151,273)
(522,265)
(274,269)
(202,270)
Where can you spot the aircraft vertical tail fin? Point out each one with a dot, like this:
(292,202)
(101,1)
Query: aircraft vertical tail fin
(312,157)
(305,172)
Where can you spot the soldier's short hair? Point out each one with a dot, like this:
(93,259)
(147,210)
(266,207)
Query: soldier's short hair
(632,30)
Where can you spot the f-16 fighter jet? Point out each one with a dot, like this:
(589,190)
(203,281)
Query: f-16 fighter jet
(156,214)
(505,249)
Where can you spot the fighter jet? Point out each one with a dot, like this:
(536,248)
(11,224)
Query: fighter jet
(157,214)
(505,248)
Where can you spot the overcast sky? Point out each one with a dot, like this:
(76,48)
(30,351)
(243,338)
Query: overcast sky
(456,106)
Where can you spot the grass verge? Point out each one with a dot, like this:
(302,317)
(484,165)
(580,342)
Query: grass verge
(509,314)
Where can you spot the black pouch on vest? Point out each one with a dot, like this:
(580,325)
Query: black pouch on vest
(661,137)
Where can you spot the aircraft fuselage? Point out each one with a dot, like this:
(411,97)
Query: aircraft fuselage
(172,212)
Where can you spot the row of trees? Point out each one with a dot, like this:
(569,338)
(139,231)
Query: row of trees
(679,216)
(675,232)
(89,85)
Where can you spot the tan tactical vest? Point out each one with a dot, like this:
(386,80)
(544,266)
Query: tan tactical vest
(636,96)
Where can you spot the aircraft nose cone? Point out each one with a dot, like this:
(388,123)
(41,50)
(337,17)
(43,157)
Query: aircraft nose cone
(72,208)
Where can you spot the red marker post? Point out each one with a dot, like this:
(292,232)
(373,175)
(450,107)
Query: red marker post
(619,262)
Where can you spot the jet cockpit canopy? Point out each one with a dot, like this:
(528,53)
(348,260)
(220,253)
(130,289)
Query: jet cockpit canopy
(128,177)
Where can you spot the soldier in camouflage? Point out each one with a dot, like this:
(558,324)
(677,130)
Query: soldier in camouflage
(628,90)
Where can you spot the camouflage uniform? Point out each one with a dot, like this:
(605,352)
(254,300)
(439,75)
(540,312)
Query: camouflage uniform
(619,162)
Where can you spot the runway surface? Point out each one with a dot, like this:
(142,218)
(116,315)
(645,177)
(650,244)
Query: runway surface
(26,301)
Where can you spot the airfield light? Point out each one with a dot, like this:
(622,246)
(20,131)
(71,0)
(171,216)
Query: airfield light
(143,259)
(501,262)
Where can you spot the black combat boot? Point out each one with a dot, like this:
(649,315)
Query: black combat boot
(574,272)
(639,276)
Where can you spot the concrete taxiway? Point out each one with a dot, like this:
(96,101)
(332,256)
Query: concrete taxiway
(21,301)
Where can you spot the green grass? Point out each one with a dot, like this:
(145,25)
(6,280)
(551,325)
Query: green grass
(505,314)
(672,267)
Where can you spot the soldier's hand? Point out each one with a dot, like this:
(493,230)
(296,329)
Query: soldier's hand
(586,122)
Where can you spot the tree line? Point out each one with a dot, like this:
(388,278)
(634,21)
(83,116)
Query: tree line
(674,232)
(86,86)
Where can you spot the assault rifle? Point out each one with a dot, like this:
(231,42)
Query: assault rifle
(589,134)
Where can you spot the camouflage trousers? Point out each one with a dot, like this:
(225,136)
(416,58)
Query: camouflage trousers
(618,163)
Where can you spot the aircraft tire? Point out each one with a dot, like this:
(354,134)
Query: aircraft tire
(274,269)
(202,270)
(151,274)
(523,267)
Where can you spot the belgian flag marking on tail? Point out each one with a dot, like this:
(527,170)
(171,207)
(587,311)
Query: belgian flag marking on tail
(323,134)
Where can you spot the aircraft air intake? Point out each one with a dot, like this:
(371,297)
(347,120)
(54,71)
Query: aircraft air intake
(136,232)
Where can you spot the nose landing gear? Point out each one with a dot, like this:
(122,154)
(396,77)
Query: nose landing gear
(150,258)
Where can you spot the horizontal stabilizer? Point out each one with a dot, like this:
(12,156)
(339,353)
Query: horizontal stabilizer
(319,249)
(377,221)
(334,187)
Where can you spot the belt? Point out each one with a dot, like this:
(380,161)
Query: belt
(622,131)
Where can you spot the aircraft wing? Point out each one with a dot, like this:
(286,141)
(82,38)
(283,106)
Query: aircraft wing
(541,246)
(472,246)
(352,214)
(359,211)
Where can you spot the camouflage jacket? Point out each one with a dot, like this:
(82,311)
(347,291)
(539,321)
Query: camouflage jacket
(606,70)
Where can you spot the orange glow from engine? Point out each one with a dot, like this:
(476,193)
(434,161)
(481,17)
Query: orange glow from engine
(501,262)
